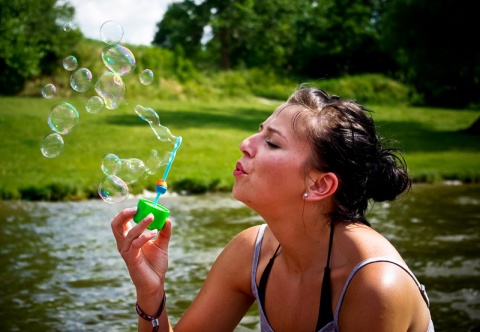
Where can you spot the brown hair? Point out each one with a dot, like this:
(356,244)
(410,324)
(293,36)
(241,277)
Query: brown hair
(344,141)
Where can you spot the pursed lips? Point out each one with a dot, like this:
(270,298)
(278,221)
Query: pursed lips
(239,170)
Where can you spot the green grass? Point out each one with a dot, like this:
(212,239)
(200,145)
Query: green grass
(435,146)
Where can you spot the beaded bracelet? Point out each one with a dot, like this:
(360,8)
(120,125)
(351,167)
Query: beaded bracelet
(152,319)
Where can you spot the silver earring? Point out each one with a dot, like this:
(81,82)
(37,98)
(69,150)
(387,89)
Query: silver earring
(305,195)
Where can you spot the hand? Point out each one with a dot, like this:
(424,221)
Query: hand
(146,259)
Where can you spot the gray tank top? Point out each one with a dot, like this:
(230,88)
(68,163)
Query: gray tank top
(333,325)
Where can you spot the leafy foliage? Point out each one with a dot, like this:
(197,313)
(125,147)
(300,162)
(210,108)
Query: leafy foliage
(32,39)
(435,45)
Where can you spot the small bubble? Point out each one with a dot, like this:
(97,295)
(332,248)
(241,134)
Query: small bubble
(111,32)
(63,118)
(146,77)
(49,91)
(70,63)
(69,26)
(81,80)
(113,190)
(94,105)
(118,59)
(111,164)
(52,145)
(111,88)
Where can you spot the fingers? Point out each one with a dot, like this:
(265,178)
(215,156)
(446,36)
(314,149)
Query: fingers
(164,236)
(120,225)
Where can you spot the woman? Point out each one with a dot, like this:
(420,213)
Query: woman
(316,265)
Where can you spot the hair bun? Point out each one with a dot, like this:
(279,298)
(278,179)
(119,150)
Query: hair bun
(388,177)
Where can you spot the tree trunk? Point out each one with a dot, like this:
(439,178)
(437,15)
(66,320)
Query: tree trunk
(224,49)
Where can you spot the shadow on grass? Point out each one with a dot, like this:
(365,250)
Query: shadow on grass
(237,118)
(415,137)
(409,136)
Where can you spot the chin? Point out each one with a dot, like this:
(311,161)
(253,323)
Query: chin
(239,195)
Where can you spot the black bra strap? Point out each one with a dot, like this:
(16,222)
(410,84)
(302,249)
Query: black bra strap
(325,312)
(263,281)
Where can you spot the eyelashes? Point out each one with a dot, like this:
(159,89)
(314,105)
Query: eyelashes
(272,145)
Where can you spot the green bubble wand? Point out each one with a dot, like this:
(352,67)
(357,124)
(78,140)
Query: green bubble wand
(146,207)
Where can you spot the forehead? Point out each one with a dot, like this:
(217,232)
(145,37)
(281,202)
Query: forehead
(287,117)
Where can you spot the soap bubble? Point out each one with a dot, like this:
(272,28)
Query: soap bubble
(49,90)
(63,118)
(146,77)
(118,59)
(69,26)
(155,161)
(94,105)
(70,63)
(111,88)
(111,32)
(81,80)
(131,171)
(149,115)
(52,145)
(111,164)
(113,190)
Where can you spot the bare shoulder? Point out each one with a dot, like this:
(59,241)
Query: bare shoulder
(383,297)
(243,242)
(236,257)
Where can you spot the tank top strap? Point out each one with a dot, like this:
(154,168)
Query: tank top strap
(374,260)
(256,256)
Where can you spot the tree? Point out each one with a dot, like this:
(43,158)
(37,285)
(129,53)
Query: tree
(244,32)
(435,45)
(181,28)
(340,37)
(32,39)
(306,37)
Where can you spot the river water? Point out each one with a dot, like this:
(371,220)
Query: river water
(60,270)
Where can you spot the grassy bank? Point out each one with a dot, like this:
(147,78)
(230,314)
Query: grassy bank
(435,146)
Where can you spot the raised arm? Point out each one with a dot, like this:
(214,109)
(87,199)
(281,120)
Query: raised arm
(223,299)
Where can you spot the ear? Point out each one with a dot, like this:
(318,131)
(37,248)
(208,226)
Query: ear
(324,185)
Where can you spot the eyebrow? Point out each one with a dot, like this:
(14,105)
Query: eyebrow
(273,130)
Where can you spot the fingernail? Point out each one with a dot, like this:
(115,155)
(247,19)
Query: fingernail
(131,210)
(152,233)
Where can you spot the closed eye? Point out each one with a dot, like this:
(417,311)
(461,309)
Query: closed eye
(272,145)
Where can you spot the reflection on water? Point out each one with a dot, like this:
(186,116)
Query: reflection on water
(60,270)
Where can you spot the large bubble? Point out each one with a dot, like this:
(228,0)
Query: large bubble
(111,164)
(111,32)
(149,115)
(49,90)
(131,170)
(118,59)
(52,145)
(113,190)
(63,118)
(81,80)
(155,161)
(111,88)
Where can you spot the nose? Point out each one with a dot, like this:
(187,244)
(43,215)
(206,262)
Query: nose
(247,146)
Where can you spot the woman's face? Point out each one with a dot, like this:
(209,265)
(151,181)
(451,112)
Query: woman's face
(271,170)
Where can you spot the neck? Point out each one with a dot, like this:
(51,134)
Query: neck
(304,237)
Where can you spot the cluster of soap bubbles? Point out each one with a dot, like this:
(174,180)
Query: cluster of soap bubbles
(110,92)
